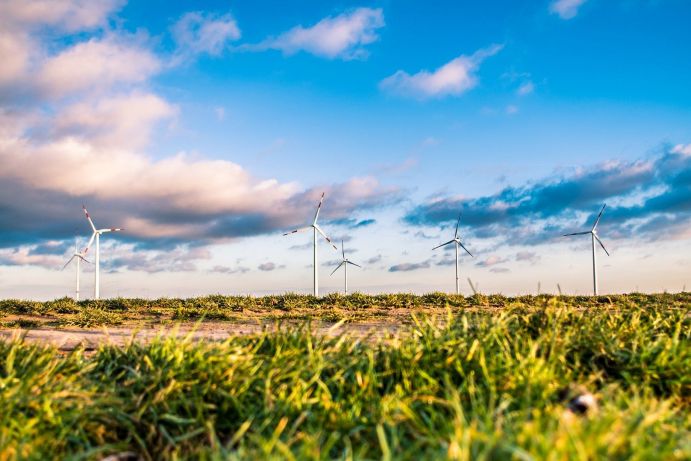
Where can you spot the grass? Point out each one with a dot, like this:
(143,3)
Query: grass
(332,308)
(472,383)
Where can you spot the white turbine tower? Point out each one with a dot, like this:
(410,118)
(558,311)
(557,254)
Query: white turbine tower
(457,243)
(315,228)
(594,237)
(80,257)
(344,262)
(97,235)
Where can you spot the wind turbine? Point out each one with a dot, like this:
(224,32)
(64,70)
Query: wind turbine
(344,262)
(315,228)
(457,241)
(594,237)
(80,257)
(97,235)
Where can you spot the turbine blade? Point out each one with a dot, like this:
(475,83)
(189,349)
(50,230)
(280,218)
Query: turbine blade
(342,249)
(466,250)
(599,216)
(301,229)
(86,213)
(472,287)
(443,244)
(578,233)
(67,263)
(319,229)
(457,224)
(114,229)
(352,263)
(316,215)
(337,267)
(88,245)
(84,259)
(601,244)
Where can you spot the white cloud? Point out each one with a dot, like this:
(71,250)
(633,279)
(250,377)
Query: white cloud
(27,65)
(97,64)
(49,254)
(491,260)
(529,256)
(452,79)
(566,9)
(525,89)
(71,15)
(511,109)
(684,149)
(198,33)
(143,193)
(80,134)
(80,167)
(118,121)
(341,36)
(229,270)
(15,52)
(182,258)
(266,267)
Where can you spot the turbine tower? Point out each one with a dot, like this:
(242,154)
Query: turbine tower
(80,257)
(457,241)
(344,262)
(315,228)
(97,235)
(594,237)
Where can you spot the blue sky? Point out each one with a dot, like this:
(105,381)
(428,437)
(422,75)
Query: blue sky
(209,128)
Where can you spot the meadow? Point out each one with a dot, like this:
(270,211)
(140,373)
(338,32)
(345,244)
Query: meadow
(65,312)
(483,377)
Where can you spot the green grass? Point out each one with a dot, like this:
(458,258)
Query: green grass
(351,308)
(469,384)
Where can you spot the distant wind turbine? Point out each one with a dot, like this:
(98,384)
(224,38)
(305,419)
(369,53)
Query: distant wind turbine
(97,235)
(344,262)
(594,237)
(80,257)
(457,243)
(315,228)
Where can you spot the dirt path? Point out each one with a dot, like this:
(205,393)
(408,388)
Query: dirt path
(67,339)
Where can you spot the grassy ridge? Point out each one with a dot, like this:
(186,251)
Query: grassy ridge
(65,311)
(481,384)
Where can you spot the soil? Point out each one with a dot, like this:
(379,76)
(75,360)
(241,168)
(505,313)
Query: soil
(67,339)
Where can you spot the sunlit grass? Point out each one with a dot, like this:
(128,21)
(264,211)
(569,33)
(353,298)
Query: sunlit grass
(354,307)
(467,384)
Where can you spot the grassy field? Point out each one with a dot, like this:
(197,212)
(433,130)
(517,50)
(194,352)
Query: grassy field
(65,312)
(474,378)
